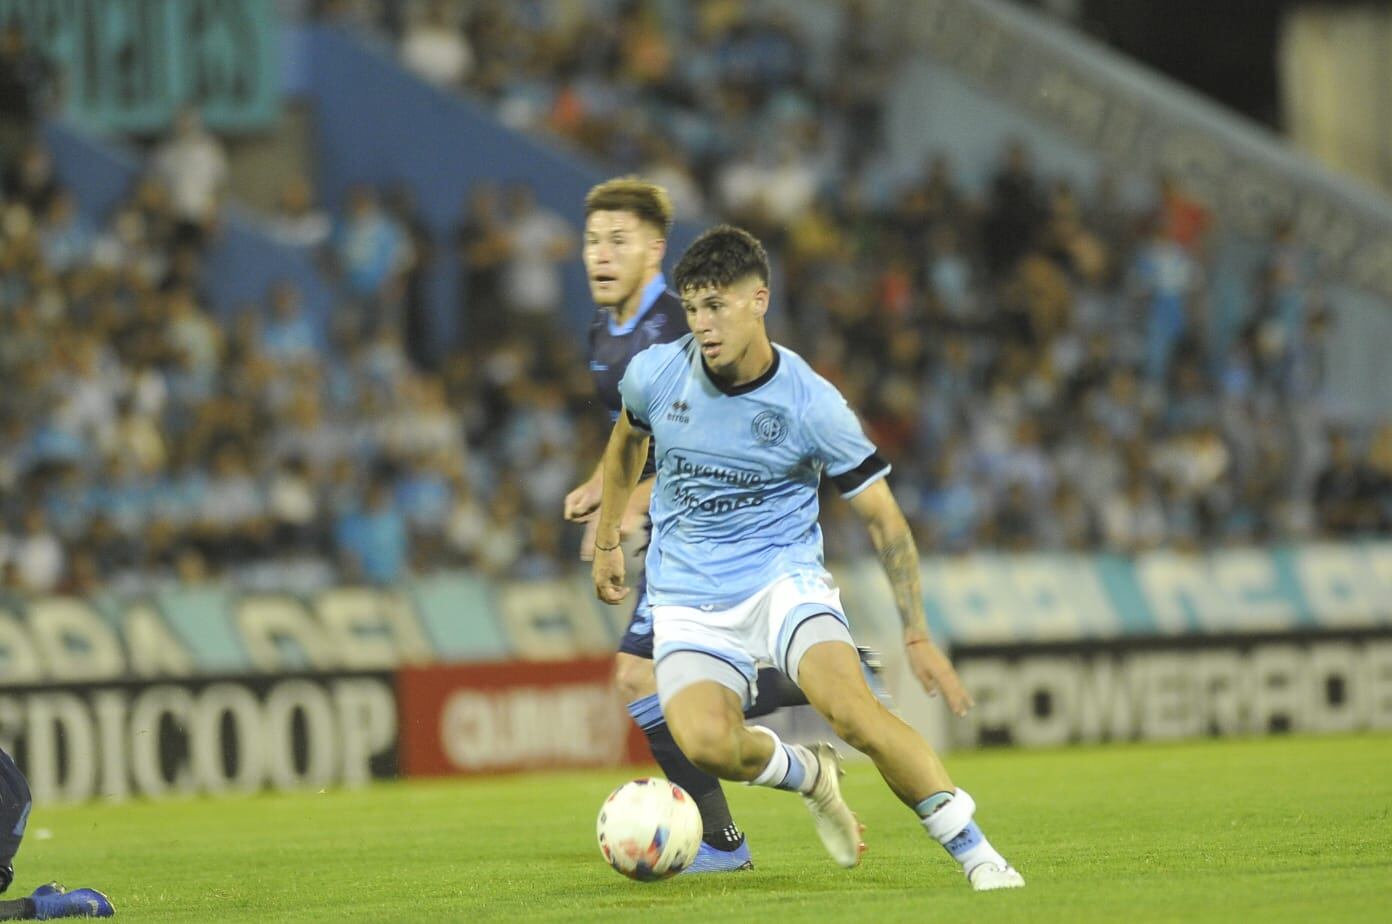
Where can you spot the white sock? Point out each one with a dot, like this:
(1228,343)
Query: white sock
(949,822)
(791,766)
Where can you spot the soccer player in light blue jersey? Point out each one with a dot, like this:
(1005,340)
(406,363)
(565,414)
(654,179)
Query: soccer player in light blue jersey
(744,432)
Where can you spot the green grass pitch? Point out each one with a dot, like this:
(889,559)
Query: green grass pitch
(1256,831)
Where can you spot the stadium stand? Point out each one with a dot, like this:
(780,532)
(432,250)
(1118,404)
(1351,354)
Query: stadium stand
(1039,356)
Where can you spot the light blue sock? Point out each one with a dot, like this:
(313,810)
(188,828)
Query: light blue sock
(788,765)
(647,712)
(796,777)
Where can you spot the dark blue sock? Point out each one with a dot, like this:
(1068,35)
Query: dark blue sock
(720,830)
(775,692)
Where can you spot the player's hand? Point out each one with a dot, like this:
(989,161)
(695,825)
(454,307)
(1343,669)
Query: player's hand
(582,503)
(608,573)
(936,673)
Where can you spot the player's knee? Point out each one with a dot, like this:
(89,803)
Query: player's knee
(633,678)
(857,723)
(712,746)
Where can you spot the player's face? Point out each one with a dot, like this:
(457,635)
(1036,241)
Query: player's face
(621,252)
(726,320)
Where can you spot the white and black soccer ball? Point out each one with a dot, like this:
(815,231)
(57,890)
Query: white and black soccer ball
(649,829)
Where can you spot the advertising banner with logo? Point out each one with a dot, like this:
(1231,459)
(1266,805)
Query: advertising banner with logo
(206,736)
(494,718)
(1160,689)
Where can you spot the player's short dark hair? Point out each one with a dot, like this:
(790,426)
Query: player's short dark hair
(630,194)
(720,257)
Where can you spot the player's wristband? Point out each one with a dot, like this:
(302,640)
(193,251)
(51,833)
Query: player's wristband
(606,548)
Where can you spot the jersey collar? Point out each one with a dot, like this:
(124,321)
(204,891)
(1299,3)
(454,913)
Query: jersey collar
(651,292)
(749,386)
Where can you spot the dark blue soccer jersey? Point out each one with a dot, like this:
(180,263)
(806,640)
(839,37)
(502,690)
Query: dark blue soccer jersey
(659,319)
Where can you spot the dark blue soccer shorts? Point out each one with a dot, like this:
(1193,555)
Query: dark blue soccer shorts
(638,638)
(14,812)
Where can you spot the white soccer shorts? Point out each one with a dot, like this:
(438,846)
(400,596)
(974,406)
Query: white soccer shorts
(777,624)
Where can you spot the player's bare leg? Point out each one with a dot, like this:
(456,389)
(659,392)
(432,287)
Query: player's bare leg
(723,845)
(708,722)
(907,762)
(633,677)
(829,673)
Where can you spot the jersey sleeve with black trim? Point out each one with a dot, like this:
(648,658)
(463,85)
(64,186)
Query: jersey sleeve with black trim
(839,442)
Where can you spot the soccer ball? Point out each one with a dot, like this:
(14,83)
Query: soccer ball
(649,829)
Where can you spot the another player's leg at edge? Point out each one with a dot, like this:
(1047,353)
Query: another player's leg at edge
(47,901)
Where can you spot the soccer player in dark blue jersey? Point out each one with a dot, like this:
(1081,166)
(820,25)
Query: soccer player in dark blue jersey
(47,901)
(626,225)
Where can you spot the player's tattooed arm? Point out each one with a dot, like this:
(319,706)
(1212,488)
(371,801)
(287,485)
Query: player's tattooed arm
(894,542)
(898,553)
(899,556)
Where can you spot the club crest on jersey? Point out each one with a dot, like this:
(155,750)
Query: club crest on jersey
(678,412)
(770,428)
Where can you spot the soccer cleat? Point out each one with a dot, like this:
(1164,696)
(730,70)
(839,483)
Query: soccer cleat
(987,877)
(48,888)
(836,823)
(714,860)
(873,668)
(79,903)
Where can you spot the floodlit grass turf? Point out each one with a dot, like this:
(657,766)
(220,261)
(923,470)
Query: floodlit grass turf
(1257,831)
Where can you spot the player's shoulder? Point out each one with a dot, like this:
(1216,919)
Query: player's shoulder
(808,385)
(666,321)
(661,358)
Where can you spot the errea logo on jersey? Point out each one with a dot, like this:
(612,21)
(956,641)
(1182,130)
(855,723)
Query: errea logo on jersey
(678,412)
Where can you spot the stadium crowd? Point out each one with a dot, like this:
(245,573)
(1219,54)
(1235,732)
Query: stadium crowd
(1037,360)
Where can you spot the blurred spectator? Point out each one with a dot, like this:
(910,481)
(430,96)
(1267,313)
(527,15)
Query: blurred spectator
(65,235)
(298,220)
(30,178)
(191,162)
(482,247)
(292,506)
(539,241)
(374,254)
(372,542)
(1014,212)
(36,553)
(1183,219)
(1345,494)
(1163,276)
(25,81)
(434,45)
(289,336)
(418,335)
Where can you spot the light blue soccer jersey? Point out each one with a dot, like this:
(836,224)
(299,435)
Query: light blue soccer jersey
(735,504)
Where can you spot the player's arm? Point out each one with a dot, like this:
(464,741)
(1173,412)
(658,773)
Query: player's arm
(622,465)
(898,553)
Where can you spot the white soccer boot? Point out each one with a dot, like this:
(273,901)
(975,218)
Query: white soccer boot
(986,877)
(836,823)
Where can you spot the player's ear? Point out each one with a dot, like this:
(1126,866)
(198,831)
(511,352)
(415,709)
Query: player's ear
(759,300)
(657,249)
